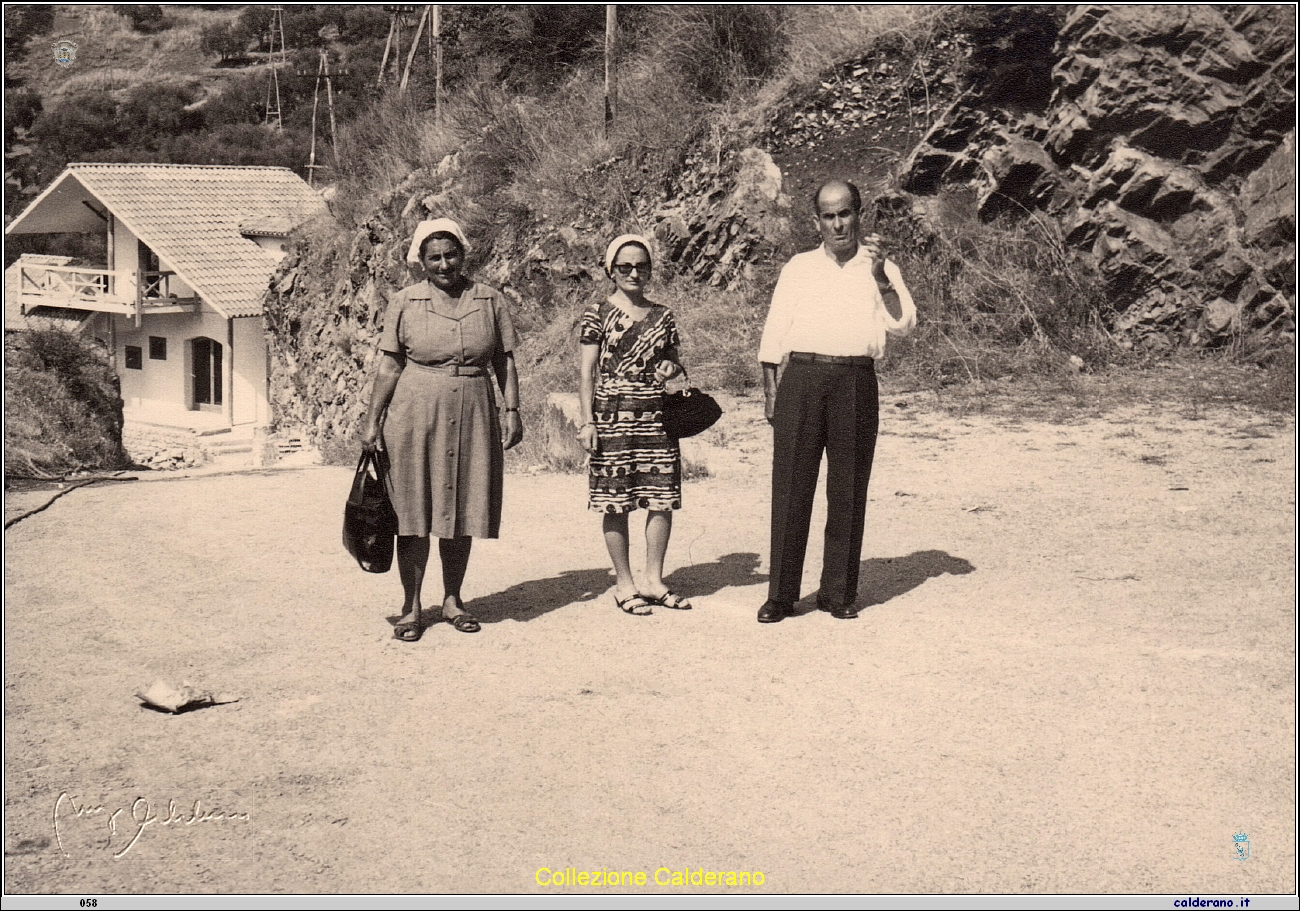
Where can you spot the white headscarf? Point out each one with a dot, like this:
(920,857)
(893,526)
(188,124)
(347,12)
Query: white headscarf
(619,243)
(434,226)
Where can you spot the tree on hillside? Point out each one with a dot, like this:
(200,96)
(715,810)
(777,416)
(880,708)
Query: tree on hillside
(147,19)
(225,39)
(22,108)
(155,110)
(22,21)
(255,21)
(85,122)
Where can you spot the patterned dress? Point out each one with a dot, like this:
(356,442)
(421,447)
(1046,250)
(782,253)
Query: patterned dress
(635,464)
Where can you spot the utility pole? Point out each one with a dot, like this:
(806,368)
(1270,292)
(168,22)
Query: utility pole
(388,44)
(396,19)
(329,99)
(611,76)
(273,86)
(415,46)
(322,70)
(435,39)
(315,105)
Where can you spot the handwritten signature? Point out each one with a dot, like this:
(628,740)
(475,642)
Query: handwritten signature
(135,818)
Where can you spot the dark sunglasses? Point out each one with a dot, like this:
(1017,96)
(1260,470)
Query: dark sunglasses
(626,268)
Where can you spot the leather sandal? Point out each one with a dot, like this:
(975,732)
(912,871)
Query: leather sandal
(637,605)
(465,623)
(671,600)
(407,632)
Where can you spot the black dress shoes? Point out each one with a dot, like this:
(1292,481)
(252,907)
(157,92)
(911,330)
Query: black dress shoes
(839,612)
(771,612)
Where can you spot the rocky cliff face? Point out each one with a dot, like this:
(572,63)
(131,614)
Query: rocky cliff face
(1166,151)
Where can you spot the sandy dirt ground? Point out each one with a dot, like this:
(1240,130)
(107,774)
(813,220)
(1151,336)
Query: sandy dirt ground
(1076,673)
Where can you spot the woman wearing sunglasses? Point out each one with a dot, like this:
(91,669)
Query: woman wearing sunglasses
(629,350)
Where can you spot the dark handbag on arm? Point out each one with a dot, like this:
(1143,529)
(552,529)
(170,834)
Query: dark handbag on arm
(369,522)
(689,412)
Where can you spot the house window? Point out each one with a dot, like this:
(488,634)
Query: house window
(157,348)
(134,357)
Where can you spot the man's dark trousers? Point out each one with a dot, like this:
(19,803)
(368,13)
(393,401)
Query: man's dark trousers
(836,408)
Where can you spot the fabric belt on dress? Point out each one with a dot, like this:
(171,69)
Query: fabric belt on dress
(451,369)
(804,357)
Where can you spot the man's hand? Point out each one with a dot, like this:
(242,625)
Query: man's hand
(874,244)
(769,392)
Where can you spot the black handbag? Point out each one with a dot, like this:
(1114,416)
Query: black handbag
(369,521)
(689,412)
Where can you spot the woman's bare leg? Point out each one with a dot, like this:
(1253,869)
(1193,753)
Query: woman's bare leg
(412,558)
(658,529)
(615,528)
(454,553)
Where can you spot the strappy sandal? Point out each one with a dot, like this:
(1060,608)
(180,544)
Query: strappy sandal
(637,605)
(673,601)
(465,623)
(408,632)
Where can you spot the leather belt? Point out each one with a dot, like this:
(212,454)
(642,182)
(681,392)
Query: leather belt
(452,369)
(804,357)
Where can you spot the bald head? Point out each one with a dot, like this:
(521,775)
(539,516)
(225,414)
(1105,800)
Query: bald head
(837,185)
(839,208)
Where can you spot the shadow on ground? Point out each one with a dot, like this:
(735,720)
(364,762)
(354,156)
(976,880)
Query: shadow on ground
(532,599)
(883,579)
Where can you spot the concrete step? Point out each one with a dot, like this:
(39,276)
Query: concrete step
(218,447)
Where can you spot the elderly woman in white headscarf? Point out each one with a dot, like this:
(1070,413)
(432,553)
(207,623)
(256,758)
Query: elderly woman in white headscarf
(628,351)
(435,408)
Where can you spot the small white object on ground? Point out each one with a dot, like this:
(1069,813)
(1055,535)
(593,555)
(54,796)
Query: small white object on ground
(164,696)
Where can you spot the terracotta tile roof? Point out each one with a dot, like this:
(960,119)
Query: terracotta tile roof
(266,226)
(190,215)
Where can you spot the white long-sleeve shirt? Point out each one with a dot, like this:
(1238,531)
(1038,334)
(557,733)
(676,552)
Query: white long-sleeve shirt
(822,307)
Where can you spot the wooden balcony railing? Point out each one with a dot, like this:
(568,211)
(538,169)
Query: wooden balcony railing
(155,284)
(67,283)
(108,291)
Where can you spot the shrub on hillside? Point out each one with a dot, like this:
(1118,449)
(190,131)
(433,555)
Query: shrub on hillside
(22,108)
(23,21)
(63,409)
(146,18)
(995,298)
(155,110)
(84,122)
(242,99)
(522,48)
(716,51)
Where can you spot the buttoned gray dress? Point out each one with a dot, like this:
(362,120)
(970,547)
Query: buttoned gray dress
(442,431)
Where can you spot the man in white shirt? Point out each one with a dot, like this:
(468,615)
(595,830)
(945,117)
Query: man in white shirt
(831,311)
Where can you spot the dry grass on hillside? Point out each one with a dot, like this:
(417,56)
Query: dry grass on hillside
(63,410)
(819,37)
(111,56)
(696,66)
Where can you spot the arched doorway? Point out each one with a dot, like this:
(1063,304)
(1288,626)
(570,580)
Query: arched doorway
(205,374)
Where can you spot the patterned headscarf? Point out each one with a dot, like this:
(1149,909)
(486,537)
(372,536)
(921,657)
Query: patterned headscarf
(434,226)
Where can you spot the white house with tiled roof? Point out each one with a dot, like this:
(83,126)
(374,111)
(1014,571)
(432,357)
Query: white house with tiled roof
(188,251)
